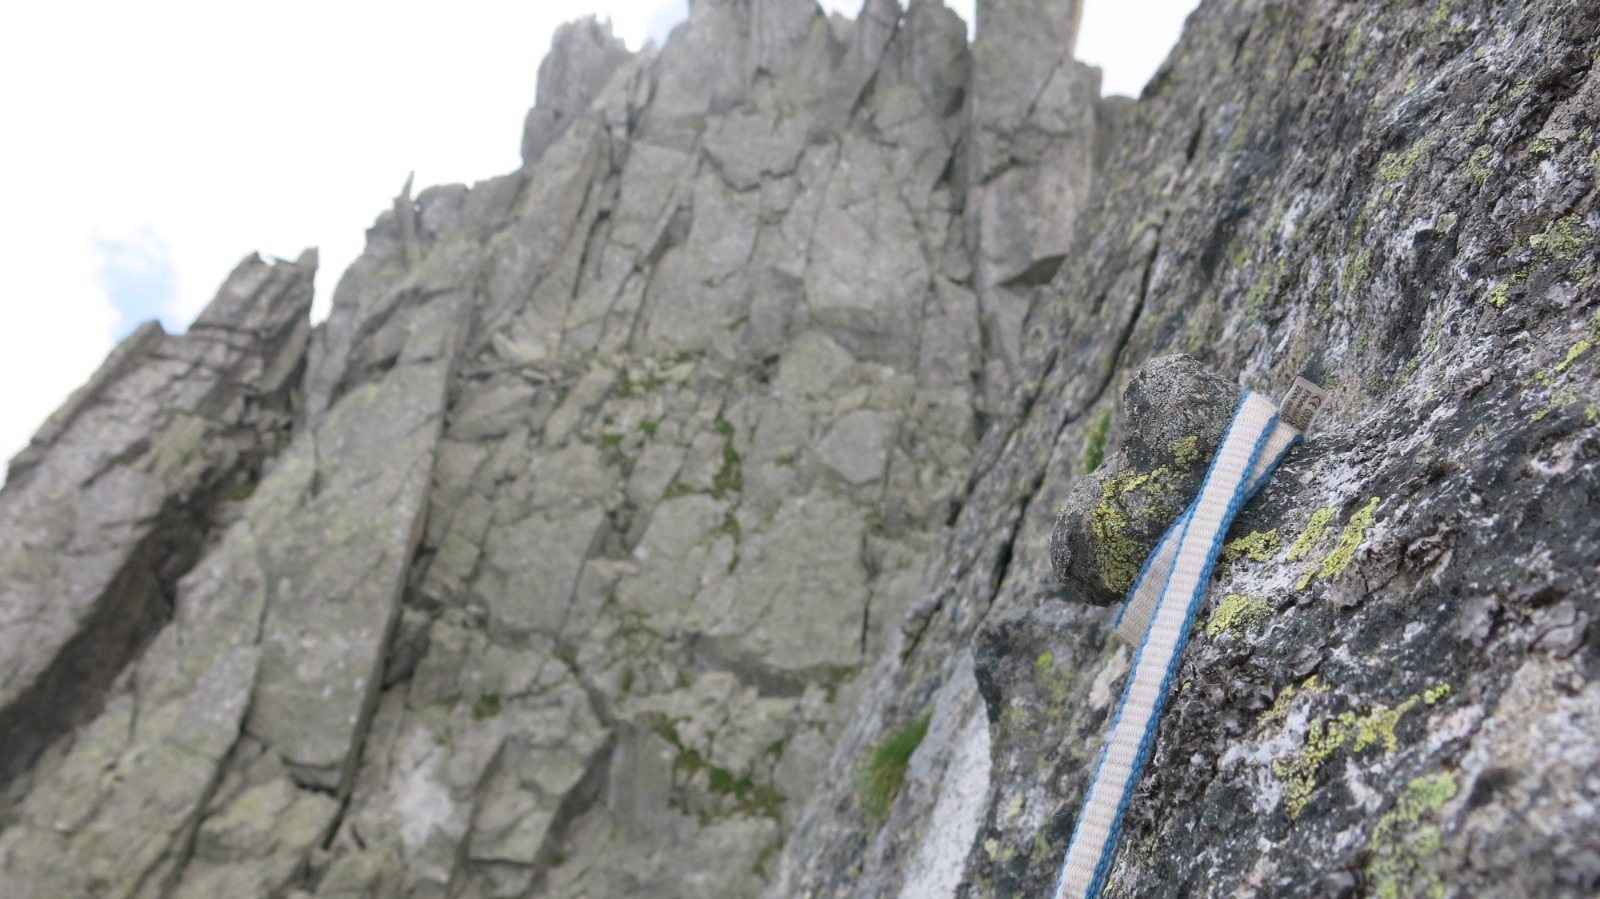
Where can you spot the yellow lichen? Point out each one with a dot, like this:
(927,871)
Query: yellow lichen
(1357,269)
(1583,344)
(1237,611)
(1573,352)
(1185,452)
(1350,539)
(1327,736)
(1400,843)
(1313,532)
(1394,167)
(1256,546)
(1262,288)
(1477,165)
(1355,531)
(1564,239)
(1013,810)
(1280,705)
(1053,683)
(1118,556)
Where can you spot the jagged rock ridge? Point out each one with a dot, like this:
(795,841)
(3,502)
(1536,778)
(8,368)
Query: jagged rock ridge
(625,503)
(605,481)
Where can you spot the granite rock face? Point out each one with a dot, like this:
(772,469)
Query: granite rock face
(1391,690)
(558,561)
(114,498)
(630,510)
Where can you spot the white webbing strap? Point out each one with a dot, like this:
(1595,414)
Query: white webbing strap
(1135,616)
(1160,613)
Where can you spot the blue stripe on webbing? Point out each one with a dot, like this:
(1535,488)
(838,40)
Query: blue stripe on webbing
(1239,494)
(1177,526)
(1266,474)
(1133,616)
(1108,852)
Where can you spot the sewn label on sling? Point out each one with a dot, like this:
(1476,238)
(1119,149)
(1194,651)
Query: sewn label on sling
(1301,403)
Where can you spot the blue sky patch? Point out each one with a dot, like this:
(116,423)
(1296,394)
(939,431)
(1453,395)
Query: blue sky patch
(135,270)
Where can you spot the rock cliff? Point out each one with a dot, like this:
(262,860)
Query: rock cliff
(673,516)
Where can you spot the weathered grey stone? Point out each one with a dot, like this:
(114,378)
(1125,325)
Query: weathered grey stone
(857,447)
(114,498)
(1028,163)
(255,845)
(325,633)
(582,56)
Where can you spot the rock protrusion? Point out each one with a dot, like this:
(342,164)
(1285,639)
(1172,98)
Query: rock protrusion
(120,491)
(583,55)
(1177,413)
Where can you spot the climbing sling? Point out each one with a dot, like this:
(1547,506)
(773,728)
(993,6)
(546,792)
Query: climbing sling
(1160,613)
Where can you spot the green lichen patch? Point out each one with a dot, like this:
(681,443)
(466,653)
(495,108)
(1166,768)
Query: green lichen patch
(730,477)
(1573,352)
(1257,546)
(1395,167)
(728,528)
(1313,532)
(1590,339)
(1476,168)
(1094,444)
(1357,269)
(1043,663)
(628,386)
(1262,288)
(1564,392)
(886,765)
(487,706)
(736,794)
(1280,706)
(677,489)
(1054,683)
(1350,539)
(1185,452)
(1563,239)
(1499,295)
(1401,842)
(1118,555)
(1237,613)
(1495,109)
(1355,531)
(1347,731)
(1441,14)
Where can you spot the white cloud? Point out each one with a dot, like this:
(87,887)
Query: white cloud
(227,129)
(1130,40)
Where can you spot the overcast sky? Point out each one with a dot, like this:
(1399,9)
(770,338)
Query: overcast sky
(150,146)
